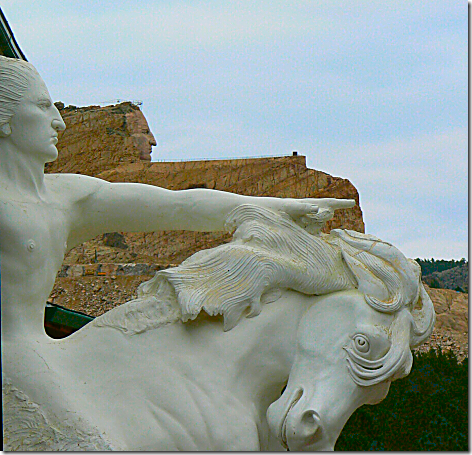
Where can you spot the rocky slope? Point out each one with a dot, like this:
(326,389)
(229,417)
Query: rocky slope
(451,331)
(114,143)
(456,278)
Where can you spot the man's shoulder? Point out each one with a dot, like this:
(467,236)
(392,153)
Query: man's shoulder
(75,186)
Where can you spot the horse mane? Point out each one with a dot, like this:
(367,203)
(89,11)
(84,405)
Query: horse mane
(391,283)
(269,253)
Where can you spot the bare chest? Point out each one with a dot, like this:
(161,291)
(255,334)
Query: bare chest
(33,236)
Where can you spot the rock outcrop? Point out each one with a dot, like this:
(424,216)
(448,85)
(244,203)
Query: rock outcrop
(101,138)
(451,331)
(114,143)
(282,177)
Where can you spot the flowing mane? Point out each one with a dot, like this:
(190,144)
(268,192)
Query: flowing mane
(270,253)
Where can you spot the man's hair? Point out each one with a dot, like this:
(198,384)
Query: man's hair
(14,75)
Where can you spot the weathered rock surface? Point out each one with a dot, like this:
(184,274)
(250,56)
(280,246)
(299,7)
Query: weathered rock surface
(100,138)
(282,177)
(452,321)
(114,143)
(95,295)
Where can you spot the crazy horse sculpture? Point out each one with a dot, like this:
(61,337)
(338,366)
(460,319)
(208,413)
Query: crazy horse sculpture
(200,359)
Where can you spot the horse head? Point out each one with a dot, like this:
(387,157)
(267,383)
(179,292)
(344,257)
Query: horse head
(352,344)
(368,310)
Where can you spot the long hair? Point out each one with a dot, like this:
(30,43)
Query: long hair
(14,75)
(391,283)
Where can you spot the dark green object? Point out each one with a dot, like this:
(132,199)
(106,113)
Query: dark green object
(428,266)
(428,410)
(8,45)
(60,322)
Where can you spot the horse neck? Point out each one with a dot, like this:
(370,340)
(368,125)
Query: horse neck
(264,346)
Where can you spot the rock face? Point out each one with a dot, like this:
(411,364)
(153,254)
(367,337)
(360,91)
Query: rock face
(114,143)
(100,138)
(283,177)
(452,321)
(451,310)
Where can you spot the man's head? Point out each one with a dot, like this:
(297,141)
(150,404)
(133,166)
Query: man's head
(29,121)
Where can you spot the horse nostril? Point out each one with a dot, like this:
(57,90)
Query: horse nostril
(309,424)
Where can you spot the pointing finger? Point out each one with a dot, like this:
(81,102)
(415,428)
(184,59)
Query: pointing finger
(336,203)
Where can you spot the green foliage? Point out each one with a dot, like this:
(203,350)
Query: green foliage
(429,266)
(428,410)
(434,284)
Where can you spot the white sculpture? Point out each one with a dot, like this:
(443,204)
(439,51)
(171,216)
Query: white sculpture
(336,314)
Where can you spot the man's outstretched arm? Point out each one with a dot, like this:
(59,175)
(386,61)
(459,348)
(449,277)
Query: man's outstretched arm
(134,207)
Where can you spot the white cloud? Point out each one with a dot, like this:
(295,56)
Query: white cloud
(431,164)
(438,247)
(414,192)
(215,138)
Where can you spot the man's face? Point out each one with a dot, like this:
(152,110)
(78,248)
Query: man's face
(36,122)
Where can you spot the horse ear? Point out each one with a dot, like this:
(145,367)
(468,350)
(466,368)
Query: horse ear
(424,318)
(367,282)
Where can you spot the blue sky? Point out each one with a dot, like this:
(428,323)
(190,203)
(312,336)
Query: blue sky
(372,91)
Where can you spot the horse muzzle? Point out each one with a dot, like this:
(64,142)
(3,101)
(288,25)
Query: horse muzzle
(298,427)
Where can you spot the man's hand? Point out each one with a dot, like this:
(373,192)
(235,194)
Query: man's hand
(297,208)
(312,214)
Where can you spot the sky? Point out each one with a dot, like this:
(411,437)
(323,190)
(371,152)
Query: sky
(372,91)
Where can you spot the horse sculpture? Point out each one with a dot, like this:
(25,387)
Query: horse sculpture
(331,318)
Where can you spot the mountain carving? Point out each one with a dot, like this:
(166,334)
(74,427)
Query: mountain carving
(114,143)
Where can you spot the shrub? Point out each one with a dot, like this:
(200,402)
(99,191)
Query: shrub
(428,410)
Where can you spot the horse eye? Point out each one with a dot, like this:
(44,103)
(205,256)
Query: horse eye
(361,343)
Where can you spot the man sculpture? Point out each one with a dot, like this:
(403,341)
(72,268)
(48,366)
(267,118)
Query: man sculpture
(96,390)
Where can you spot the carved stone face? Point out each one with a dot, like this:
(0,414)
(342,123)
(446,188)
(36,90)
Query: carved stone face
(142,136)
(321,395)
(36,122)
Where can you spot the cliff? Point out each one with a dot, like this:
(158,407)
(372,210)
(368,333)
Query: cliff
(451,331)
(101,138)
(114,143)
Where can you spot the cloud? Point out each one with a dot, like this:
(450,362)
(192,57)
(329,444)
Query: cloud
(417,232)
(216,138)
(411,189)
(441,246)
